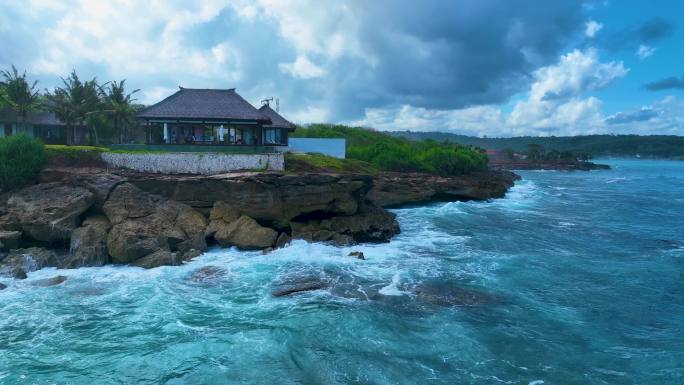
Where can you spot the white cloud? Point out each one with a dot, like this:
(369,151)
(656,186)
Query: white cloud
(645,51)
(591,28)
(152,39)
(311,114)
(553,105)
(302,68)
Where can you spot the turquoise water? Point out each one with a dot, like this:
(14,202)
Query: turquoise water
(573,278)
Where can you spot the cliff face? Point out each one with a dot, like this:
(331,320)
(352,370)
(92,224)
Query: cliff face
(152,220)
(396,189)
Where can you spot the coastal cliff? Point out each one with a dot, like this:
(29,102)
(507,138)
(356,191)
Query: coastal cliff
(76,218)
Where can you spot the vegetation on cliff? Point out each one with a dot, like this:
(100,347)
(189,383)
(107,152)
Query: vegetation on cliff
(657,146)
(389,153)
(21,158)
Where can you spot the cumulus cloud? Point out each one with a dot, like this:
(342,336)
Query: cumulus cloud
(434,64)
(353,55)
(302,68)
(553,104)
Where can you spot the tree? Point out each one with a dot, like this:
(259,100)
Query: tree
(75,102)
(18,94)
(120,107)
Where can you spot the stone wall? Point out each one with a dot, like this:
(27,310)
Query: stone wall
(194,163)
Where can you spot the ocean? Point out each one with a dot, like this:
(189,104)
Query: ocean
(572,278)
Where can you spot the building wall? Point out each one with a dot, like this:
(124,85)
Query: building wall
(26,129)
(335,147)
(194,163)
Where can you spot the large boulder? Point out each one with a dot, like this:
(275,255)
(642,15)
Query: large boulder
(144,223)
(245,233)
(49,212)
(19,262)
(220,215)
(89,244)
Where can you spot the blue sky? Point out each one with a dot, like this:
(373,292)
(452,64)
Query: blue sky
(486,67)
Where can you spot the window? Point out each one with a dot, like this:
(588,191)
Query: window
(272,136)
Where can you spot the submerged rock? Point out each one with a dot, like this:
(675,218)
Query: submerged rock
(144,224)
(3,286)
(19,262)
(89,244)
(448,294)
(357,254)
(300,287)
(49,212)
(207,274)
(56,280)
(245,233)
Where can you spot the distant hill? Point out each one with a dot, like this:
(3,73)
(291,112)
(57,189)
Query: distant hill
(656,146)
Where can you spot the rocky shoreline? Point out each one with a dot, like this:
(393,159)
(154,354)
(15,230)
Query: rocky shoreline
(559,166)
(74,217)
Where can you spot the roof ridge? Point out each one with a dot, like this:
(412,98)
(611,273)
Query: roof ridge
(207,89)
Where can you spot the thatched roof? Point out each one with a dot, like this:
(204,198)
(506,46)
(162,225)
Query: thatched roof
(276,119)
(203,104)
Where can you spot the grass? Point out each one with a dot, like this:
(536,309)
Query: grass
(389,153)
(323,163)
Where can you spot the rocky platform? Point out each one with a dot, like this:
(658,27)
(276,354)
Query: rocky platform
(76,218)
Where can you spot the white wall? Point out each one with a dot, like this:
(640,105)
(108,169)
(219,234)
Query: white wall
(335,147)
(194,163)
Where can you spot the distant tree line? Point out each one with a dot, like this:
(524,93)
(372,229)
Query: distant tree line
(584,146)
(104,109)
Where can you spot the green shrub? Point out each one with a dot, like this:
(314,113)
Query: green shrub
(21,158)
(390,153)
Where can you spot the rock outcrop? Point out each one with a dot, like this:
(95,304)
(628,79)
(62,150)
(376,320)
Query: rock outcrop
(143,224)
(156,220)
(89,244)
(396,189)
(270,198)
(49,212)
(372,225)
(245,233)
(19,262)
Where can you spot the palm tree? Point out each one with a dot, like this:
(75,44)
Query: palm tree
(21,96)
(120,106)
(75,103)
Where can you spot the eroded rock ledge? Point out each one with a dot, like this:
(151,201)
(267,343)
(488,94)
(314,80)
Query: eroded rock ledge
(84,218)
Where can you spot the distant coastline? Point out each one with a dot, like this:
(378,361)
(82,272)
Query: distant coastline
(598,146)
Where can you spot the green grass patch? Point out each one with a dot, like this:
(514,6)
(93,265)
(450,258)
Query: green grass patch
(73,152)
(21,159)
(323,163)
(389,153)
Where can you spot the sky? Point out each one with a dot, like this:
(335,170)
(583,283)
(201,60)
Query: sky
(484,68)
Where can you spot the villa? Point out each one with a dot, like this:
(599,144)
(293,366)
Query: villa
(213,117)
(38,124)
